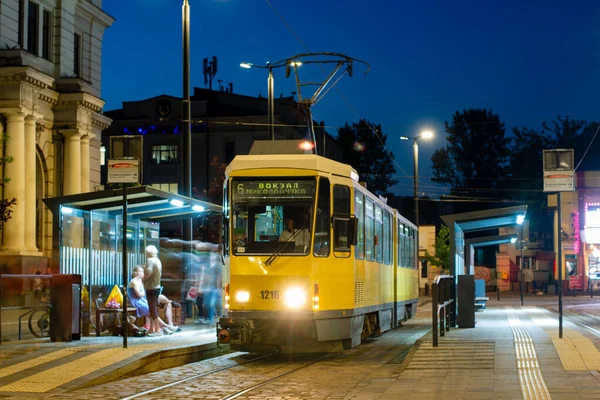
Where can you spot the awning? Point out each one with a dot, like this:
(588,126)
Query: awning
(143,202)
(477,221)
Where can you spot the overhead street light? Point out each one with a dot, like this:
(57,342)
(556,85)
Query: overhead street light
(426,134)
(270,91)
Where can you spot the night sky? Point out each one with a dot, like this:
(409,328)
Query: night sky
(528,62)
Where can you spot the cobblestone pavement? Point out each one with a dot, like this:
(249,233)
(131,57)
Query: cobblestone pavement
(339,375)
(513,352)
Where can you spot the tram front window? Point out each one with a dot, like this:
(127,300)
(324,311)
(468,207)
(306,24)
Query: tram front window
(272,215)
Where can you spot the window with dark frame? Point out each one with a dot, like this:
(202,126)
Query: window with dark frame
(46,34)
(32,28)
(165,154)
(76,54)
(21,22)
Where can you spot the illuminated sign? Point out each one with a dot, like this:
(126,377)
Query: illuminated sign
(274,188)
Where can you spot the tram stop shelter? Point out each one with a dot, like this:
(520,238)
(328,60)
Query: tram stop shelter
(87,230)
(461,250)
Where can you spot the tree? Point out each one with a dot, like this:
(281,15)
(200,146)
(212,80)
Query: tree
(476,155)
(6,205)
(441,258)
(363,146)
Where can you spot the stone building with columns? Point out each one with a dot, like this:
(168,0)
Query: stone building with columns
(51,113)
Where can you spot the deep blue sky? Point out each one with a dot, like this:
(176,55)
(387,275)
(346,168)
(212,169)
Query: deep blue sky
(428,59)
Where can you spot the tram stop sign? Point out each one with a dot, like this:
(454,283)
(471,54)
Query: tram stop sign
(559,170)
(123,170)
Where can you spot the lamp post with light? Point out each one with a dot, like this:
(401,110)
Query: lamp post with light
(427,134)
(270,92)
(520,221)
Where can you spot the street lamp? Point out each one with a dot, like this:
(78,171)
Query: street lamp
(427,134)
(520,221)
(270,92)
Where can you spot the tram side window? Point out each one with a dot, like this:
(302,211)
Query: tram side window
(369,230)
(359,203)
(379,234)
(322,227)
(399,243)
(341,205)
(387,238)
(411,246)
(406,246)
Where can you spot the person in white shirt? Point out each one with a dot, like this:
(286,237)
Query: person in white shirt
(301,236)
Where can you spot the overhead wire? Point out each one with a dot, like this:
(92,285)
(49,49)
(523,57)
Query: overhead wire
(588,148)
(339,93)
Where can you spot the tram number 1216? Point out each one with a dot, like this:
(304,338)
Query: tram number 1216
(269,294)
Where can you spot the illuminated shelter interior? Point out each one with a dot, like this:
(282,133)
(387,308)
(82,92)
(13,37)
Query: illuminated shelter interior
(474,221)
(93,221)
(471,244)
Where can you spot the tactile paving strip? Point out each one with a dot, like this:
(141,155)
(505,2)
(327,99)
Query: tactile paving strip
(54,377)
(57,376)
(576,352)
(532,382)
(55,355)
(453,354)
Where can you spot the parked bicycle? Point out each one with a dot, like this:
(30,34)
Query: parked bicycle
(38,321)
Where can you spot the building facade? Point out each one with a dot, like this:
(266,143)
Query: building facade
(51,114)
(580,227)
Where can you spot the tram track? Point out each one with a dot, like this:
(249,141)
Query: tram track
(239,392)
(196,376)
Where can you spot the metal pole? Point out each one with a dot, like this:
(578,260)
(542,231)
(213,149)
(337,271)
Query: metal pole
(271,104)
(124,325)
(559,266)
(521,263)
(416,200)
(187,135)
(434,305)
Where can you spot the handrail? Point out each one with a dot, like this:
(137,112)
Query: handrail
(442,305)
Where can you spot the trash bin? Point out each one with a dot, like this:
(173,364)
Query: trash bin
(65,308)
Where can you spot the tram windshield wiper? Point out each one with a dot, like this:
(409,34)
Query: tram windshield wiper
(283,245)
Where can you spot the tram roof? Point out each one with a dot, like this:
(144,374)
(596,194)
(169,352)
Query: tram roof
(296,161)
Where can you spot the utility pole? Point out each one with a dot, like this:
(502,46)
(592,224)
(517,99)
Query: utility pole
(186,190)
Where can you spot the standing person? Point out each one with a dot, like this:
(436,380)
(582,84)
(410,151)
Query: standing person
(152,275)
(137,297)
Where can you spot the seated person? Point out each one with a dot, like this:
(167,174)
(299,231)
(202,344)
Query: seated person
(300,236)
(137,297)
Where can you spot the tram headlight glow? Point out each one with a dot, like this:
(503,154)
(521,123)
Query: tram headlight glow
(295,297)
(242,296)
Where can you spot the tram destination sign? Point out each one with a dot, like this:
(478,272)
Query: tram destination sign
(274,188)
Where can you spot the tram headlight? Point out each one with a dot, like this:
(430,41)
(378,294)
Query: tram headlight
(242,296)
(295,297)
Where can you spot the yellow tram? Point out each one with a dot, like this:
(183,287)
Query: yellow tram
(343,270)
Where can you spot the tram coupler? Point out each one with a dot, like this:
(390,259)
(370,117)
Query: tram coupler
(235,331)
